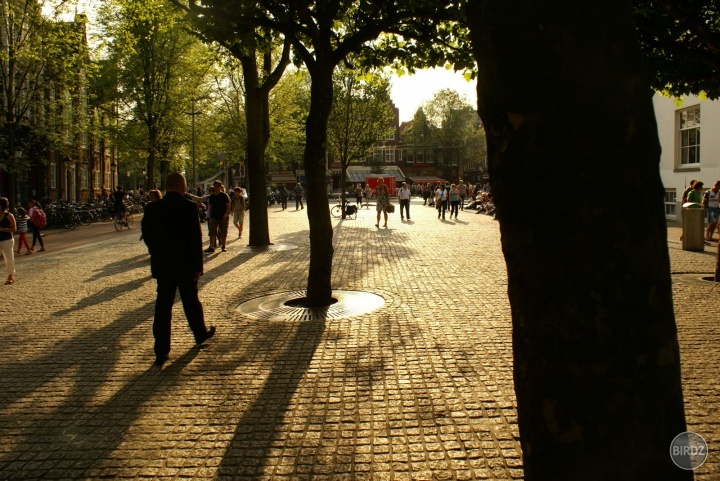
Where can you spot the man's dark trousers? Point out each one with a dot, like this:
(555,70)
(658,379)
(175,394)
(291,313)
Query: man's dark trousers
(166,288)
(405,203)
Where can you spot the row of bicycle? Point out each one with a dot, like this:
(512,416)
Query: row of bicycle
(68,215)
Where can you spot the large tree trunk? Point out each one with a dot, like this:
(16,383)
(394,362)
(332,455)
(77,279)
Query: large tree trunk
(319,291)
(570,124)
(256,113)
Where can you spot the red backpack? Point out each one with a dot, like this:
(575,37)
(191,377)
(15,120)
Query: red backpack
(38,217)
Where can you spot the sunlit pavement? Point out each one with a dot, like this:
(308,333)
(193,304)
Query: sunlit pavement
(420,389)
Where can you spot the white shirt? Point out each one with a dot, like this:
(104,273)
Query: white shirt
(713,198)
(404,193)
(442,193)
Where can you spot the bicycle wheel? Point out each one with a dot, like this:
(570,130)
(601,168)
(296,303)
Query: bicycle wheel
(336,211)
(117,222)
(129,222)
(84,217)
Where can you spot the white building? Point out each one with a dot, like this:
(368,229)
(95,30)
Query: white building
(685,154)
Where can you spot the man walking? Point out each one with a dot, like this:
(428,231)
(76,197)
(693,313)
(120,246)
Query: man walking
(219,216)
(171,231)
(299,196)
(462,190)
(404,198)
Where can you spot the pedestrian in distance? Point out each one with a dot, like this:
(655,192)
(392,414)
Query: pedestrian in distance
(404,198)
(238,210)
(463,190)
(382,195)
(22,229)
(219,217)
(454,200)
(440,200)
(119,197)
(711,201)
(171,231)
(358,195)
(7,241)
(695,195)
(299,196)
(37,216)
(367,193)
(687,191)
(153,196)
(283,193)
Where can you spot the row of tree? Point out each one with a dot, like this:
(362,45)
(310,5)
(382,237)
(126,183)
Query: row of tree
(560,84)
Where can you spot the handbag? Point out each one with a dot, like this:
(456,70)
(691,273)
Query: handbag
(390,208)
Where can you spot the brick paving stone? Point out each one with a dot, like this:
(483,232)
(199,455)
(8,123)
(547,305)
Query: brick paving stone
(420,389)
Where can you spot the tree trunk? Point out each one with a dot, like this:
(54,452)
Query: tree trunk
(256,101)
(319,290)
(568,111)
(149,182)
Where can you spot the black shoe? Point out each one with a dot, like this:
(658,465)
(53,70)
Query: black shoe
(223,249)
(160,360)
(208,334)
(210,250)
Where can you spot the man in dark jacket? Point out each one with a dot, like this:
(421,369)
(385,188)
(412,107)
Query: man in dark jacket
(171,231)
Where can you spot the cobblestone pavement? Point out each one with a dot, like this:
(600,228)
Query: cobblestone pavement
(420,389)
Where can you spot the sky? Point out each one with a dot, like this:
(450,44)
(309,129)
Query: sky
(410,91)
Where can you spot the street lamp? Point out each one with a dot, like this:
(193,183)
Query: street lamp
(113,166)
(18,156)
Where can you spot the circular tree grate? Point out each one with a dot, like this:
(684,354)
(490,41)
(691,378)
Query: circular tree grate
(273,308)
(271,248)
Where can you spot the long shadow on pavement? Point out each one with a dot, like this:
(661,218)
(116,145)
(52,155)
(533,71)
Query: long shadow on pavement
(256,433)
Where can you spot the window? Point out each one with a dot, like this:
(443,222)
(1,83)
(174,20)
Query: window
(690,136)
(670,202)
(390,135)
(53,175)
(96,179)
(83,177)
(389,156)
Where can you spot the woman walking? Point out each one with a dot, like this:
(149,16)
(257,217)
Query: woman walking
(440,200)
(454,200)
(34,206)
(21,223)
(238,210)
(7,229)
(382,194)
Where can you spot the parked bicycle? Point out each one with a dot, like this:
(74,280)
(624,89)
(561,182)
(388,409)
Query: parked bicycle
(350,210)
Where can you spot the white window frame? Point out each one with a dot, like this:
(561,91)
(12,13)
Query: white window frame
(670,203)
(688,136)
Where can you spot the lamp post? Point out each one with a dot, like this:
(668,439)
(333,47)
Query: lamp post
(113,166)
(18,156)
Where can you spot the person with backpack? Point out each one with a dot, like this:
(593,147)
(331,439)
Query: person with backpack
(22,229)
(38,220)
(7,229)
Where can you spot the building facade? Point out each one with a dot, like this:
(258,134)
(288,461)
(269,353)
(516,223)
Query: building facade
(686,154)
